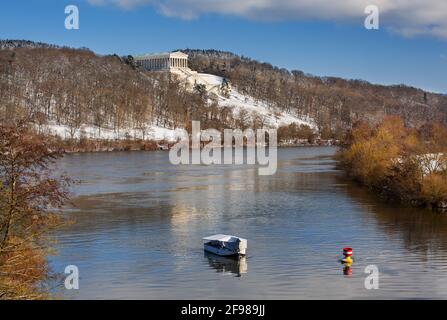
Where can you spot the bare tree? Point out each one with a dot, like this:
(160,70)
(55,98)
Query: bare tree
(27,194)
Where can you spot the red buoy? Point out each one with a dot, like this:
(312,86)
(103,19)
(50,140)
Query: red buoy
(347,252)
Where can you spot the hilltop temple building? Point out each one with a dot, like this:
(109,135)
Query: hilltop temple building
(168,61)
(176,63)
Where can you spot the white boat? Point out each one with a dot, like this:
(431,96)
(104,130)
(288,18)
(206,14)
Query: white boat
(225,245)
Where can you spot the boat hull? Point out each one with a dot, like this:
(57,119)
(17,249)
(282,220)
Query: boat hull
(221,252)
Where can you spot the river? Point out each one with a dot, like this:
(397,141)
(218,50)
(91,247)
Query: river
(139,222)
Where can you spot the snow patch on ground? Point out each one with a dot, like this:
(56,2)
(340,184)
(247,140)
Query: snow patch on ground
(91,132)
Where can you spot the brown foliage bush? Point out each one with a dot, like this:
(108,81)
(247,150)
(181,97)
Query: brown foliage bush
(27,192)
(398,161)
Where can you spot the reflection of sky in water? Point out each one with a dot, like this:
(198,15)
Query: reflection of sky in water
(140,222)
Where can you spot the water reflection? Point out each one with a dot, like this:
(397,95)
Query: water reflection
(233,265)
(420,229)
(347,270)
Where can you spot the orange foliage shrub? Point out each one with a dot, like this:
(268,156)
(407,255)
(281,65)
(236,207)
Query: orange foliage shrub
(397,160)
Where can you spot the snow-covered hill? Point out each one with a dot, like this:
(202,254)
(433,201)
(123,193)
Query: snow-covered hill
(235,100)
(274,118)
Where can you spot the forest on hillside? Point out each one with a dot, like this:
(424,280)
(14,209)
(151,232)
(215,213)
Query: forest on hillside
(332,102)
(76,87)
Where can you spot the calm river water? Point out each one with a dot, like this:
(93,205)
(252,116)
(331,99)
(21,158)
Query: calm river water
(140,220)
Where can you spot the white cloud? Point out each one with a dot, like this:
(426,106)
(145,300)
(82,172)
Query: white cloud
(126,4)
(407,17)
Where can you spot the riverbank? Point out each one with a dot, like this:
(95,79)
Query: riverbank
(151,146)
(400,164)
(101,145)
(96,145)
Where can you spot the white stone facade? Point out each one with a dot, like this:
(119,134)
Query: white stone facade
(176,63)
(163,61)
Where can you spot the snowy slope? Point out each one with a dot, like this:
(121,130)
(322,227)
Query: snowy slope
(240,102)
(235,100)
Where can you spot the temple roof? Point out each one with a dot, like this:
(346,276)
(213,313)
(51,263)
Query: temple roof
(175,54)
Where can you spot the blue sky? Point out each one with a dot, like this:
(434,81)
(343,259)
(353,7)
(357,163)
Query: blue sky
(317,43)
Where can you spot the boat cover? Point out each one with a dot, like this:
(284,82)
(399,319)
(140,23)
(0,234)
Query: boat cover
(222,238)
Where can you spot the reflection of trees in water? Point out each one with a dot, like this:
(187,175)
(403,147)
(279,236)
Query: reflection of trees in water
(421,229)
(233,265)
(109,211)
(296,182)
